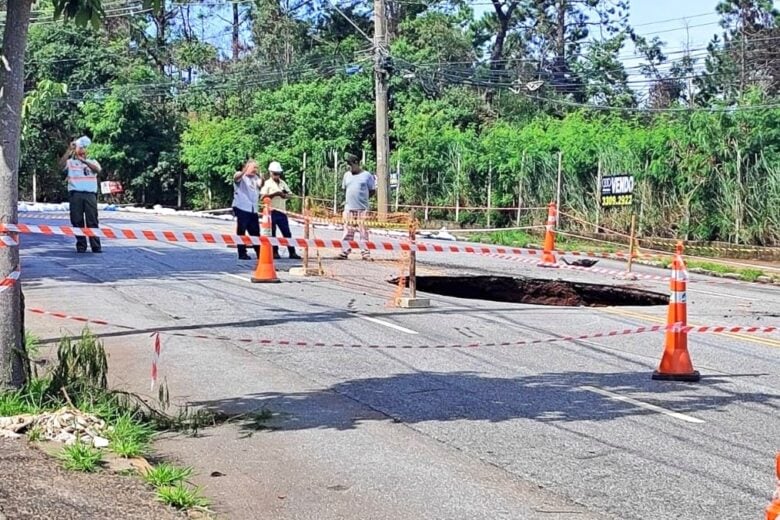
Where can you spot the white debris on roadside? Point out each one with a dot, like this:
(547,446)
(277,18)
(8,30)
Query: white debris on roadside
(66,425)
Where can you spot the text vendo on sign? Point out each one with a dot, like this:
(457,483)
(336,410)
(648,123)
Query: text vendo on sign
(617,185)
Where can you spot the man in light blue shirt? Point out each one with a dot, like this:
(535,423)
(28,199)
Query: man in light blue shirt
(359,185)
(82,176)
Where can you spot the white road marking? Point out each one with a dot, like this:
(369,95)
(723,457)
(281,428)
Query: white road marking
(387,324)
(367,318)
(720,294)
(237,277)
(640,404)
(152,251)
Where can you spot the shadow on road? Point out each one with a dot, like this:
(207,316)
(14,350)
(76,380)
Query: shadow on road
(466,396)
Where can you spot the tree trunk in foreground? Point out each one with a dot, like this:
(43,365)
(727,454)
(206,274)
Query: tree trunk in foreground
(11,97)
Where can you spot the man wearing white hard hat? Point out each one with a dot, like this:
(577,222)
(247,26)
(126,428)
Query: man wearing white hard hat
(82,175)
(278,191)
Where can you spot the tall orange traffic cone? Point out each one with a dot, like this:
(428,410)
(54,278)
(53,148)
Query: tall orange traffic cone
(548,256)
(676,362)
(265,271)
(773,509)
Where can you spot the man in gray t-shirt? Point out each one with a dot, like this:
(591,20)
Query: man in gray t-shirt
(359,185)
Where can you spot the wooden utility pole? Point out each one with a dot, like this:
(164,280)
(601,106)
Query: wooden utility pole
(598,196)
(398,183)
(335,182)
(632,241)
(381,81)
(235,40)
(303,180)
(489,192)
(558,190)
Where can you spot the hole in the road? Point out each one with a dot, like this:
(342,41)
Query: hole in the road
(537,291)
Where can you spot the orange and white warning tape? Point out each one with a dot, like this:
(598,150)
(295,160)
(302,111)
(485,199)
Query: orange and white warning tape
(230,240)
(743,329)
(155,357)
(10,280)
(8,241)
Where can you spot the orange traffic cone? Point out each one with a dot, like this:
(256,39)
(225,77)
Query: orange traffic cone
(676,363)
(265,271)
(773,509)
(548,256)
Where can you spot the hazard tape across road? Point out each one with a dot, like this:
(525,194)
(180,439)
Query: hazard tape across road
(293,343)
(231,240)
(10,280)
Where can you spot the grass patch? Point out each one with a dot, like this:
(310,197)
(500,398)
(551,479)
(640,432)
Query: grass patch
(80,457)
(748,274)
(517,238)
(32,398)
(182,496)
(513,238)
(129,437)
(167,475)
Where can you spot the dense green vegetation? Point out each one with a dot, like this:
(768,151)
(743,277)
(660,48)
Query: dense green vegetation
(476,100)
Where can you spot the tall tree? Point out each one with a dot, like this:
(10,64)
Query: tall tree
(15,31)
(746,55)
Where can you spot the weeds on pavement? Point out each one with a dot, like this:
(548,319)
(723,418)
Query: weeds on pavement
(167,475)
(170,483)
(129,437)
(182,496)
(80,457)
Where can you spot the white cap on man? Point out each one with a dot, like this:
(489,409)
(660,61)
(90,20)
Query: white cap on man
(275,167)
(83,142)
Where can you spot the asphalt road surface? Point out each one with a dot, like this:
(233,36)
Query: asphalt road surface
(552,431)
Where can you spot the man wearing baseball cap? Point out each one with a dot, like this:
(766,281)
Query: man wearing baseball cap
(82,191)
(279,192)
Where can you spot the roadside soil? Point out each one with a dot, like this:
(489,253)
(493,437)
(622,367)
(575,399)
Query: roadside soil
(34,485)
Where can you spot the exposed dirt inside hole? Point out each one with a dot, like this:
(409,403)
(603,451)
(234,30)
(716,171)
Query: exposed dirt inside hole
(537,291)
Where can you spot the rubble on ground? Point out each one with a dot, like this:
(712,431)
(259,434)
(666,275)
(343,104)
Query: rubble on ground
(66,425)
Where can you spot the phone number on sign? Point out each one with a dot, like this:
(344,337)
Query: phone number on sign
(617,200)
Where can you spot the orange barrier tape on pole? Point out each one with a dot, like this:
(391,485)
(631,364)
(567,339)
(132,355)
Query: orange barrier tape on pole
(10,280)
(6,241)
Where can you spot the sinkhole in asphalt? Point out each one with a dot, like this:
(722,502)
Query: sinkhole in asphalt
(537,291)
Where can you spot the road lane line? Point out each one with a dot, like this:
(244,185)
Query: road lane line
(640,404)
(724,295)
(387,324)
(152,251)
(237,277)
